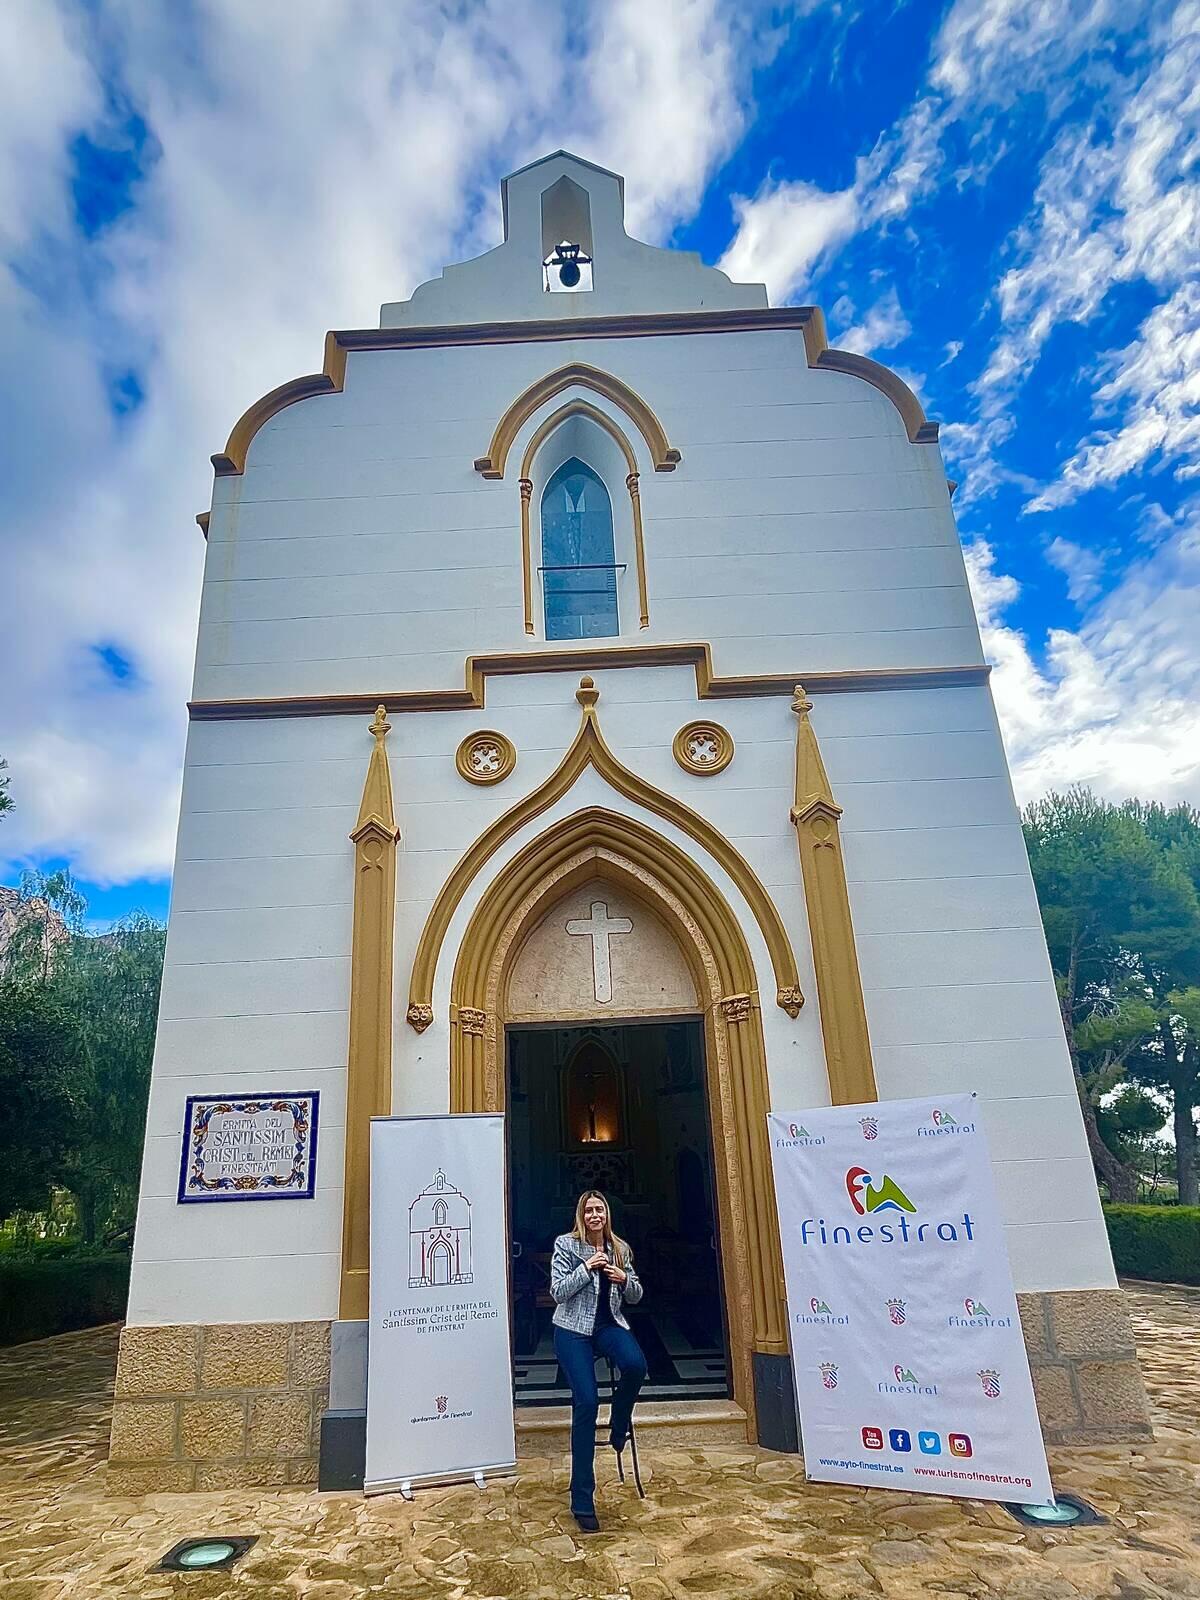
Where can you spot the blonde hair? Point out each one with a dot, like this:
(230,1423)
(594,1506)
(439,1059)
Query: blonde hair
(621,1251)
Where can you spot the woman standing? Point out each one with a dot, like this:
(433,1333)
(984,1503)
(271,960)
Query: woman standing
(587,1324)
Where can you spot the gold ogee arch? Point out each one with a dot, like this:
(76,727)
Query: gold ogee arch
(577,375)
(589,749)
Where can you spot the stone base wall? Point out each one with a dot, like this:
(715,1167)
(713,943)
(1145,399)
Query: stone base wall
(1085,1368)
(239,1405)
(233,1406)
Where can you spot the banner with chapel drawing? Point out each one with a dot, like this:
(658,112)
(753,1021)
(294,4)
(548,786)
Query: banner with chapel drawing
(910,1367)
(439,1367)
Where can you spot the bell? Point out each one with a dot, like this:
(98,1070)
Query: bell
(565,260)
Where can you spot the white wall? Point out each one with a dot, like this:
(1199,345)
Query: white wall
(361,553)
(955,973)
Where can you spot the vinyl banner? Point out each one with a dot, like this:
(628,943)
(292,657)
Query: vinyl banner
(910,1367)
(439,1367)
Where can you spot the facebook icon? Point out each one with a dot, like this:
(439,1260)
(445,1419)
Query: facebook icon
(898,1439)
(930,1443)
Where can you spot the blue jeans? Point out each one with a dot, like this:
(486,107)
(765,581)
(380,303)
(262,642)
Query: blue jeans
(577,1354)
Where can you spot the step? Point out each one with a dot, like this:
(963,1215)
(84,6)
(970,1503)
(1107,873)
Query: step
(546,1430)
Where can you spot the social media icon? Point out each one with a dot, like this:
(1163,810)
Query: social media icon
(872,1438)
(930,1444)
(899,1439)
(960,1444)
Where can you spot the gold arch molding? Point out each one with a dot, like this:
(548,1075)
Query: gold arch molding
(581,408)
(577,375)
(600,843)
(589,749)
(577,408)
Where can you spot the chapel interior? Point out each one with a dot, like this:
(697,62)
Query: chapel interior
(623,1109)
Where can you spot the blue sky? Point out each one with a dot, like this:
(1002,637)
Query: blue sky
(999,198)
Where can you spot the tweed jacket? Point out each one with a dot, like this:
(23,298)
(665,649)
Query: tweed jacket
(576,1291)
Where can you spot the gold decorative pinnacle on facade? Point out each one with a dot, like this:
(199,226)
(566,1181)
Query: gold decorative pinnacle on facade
(703,748)
(839,985)
(485,757)
(369,1068)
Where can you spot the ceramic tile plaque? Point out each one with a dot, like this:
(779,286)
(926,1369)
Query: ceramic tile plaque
(249,1147)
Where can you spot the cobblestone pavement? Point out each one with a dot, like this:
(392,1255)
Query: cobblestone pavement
(723,1520)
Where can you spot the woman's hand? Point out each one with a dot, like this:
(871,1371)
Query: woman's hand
(614,1274)
(597,1259)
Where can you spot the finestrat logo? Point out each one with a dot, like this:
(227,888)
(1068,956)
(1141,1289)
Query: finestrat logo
(905,1381)
(943,1123)
(977,1316)
(867,1196)
(822,1311)
(799,1138)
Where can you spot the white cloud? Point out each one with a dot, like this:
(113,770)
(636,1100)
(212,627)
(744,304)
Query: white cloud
(1117,704)
(882,327)
(667,102)
(1082,568)
(1155,387)
(991,52)
(1118,199)
(784,232)
(986,55)
(315,160)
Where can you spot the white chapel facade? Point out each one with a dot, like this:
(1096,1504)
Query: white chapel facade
(589,723)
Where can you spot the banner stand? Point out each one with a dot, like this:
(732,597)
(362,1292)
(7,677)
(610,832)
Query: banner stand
(910,1366)
(439,1360)
(479,1476)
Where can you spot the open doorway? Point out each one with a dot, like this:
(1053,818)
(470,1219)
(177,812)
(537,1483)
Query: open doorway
(622,1108)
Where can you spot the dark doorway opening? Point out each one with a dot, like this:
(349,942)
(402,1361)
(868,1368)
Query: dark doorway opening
(621,1108)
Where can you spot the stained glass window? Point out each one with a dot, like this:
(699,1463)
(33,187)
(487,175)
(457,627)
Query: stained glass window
(579,572)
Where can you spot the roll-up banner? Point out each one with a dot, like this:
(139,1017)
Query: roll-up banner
(439,1365)
(910,1366)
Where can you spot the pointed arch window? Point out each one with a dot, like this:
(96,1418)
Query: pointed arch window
(579,569)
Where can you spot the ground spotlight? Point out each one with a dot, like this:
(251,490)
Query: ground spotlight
(1068,1511)
(208,1553)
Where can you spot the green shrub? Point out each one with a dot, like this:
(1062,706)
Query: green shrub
(1157,1242)
(33,1249)
(40,1295)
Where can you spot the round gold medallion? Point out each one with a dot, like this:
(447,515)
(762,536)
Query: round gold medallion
(703,748)
(486,757)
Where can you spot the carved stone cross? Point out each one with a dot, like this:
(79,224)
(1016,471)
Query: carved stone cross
(598,927)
